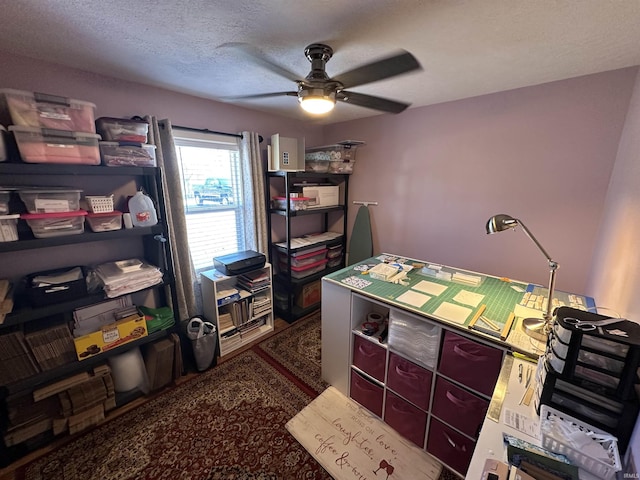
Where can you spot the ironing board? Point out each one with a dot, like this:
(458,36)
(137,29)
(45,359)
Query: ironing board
(361,244)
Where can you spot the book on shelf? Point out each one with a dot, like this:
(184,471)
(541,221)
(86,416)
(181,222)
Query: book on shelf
(227,296)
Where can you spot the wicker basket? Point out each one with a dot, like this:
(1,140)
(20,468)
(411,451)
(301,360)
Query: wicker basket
(602,469)
(100,204)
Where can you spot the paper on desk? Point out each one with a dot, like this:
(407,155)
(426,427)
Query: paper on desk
(413,298)
(468,298)
(522,423)
(453,313)
(429,287)
(519,339)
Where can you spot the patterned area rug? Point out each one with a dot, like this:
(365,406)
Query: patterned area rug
(298,351)
(227,423)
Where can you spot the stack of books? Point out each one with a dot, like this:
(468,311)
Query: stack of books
(260,305)
(254,281)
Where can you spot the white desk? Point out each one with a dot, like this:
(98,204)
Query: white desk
(490,443)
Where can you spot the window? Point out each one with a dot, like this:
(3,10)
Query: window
(212,184)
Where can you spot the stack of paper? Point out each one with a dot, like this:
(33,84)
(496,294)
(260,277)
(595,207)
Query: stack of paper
(119,282)
(466,279)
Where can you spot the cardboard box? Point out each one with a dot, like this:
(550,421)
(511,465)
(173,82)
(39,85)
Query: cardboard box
(309,294)
(322,196)
(111,336)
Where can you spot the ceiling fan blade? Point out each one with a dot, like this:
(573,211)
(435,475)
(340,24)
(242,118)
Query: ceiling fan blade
(379,70)
(368,101)
(258,57)
(260,95)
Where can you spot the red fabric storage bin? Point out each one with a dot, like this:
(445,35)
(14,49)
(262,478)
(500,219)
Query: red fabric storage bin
(451,447)
(459,408)
(366,393)
(369,357)
(409,380)
(406,419)
(461,359)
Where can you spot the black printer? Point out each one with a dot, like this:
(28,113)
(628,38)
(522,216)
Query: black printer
(239,262)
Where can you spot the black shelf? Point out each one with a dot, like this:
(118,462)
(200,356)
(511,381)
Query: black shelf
(85,237)
(73,170)
(289,286)
(26,314)
(328,243)
(42,378)
(285,278)
(308,211)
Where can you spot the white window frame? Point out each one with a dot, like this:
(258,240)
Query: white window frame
(213,229)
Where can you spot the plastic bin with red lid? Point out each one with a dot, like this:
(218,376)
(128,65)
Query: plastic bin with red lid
(302,272)
(122,129)
(306,259)
(57,224)
(105,221)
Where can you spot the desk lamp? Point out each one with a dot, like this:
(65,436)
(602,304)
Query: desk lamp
(534,327)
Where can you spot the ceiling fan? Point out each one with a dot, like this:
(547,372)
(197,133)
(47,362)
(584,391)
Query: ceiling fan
(318,93)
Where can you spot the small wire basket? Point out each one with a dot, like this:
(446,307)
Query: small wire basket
(605,469)
(100,204)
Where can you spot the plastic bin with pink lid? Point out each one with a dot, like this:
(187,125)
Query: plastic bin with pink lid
(42,110)
(306,259)
(302,272)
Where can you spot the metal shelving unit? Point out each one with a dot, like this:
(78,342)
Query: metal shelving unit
(284,283)
(152,241)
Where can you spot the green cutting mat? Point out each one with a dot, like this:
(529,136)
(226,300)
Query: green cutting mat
(499,296)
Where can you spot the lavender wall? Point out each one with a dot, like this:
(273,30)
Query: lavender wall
(434,170)
(543,154)
(118,98)
(616,267)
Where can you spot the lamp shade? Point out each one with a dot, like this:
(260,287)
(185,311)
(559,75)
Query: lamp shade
(317,105)
(501,222)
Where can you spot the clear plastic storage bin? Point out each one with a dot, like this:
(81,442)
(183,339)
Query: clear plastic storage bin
(5,196)
(29,109)
(41,145)
(105,222)
(122,130)
(59,224)
(51,199)
(297,203)
(118,154)
(302,272)
(306,259)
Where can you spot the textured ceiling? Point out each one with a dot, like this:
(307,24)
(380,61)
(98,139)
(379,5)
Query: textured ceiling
(466,48)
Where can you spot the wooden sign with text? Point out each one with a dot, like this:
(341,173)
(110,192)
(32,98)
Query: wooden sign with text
(353,444)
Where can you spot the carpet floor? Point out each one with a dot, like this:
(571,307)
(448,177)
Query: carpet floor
(227,423)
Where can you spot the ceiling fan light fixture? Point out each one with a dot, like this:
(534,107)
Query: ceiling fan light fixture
(317,105)
(316,100)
